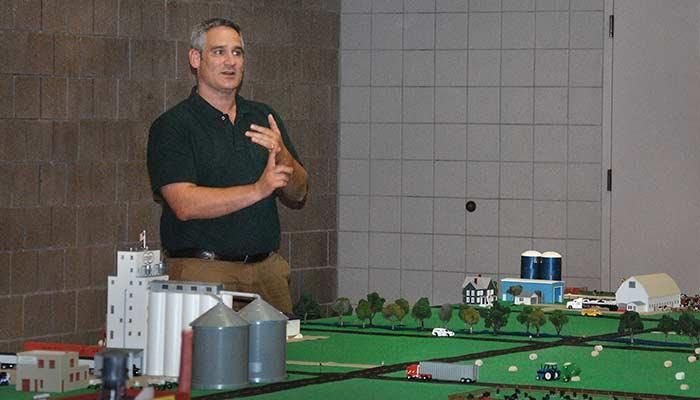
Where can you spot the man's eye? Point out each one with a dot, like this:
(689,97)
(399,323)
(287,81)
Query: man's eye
(238,53)
(218,52)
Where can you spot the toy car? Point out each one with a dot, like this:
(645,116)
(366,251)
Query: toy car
(442,332)
(591,312)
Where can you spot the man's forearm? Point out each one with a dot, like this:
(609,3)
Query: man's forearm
(190,201)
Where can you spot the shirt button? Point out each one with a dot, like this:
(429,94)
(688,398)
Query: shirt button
(223,118)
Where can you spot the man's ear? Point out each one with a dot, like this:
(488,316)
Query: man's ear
(195,58)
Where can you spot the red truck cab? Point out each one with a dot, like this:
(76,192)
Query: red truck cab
(413,372)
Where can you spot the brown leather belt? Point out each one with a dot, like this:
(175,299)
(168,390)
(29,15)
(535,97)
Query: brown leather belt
(212,255)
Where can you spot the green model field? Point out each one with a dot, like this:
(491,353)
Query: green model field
(369,362)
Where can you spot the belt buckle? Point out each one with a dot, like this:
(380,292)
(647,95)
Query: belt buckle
(245,259)
(208,255)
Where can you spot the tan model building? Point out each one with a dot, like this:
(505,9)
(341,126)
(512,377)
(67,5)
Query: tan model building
(50,371)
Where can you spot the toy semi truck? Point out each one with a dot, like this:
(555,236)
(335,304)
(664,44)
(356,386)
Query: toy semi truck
(427,370)
(580,303)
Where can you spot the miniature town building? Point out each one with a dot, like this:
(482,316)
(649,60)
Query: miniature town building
(551,291)
(478,290)
(648,293)
(50,371)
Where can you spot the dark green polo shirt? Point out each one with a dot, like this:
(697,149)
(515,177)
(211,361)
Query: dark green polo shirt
(195,142)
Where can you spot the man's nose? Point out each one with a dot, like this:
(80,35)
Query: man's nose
(230,58)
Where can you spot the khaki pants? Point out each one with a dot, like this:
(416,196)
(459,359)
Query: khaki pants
(268,278)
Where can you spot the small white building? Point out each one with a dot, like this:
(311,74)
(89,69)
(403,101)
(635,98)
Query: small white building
(648,293)
(478,290)
(526,299)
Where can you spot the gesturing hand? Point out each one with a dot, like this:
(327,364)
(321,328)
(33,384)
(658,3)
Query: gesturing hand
(271,139)
(274,176)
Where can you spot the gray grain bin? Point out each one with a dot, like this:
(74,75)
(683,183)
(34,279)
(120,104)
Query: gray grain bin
(268,342)
(220,350)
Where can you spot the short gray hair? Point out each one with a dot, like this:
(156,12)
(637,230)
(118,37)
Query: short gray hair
(199,31)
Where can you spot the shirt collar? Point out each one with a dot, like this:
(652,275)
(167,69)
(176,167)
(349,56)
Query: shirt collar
(210,112)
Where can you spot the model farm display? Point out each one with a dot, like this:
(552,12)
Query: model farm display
(485,339)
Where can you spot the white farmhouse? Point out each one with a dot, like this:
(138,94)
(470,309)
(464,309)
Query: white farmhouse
(648,293)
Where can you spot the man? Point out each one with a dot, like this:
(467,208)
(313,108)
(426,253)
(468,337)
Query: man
(219,162)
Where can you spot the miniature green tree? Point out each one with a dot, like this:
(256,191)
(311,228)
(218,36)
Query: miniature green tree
(666,325)
(307,307)
(630,323)
(558,319)
(689,326)
(524,317)
(537,319)
(421,311)
(495,317)
(469,315)
(403,303)
(341,308)
(363,312)
(393,313)
(515,290)
(376,303)
(445,314)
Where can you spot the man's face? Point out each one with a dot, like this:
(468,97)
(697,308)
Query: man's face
(220,64)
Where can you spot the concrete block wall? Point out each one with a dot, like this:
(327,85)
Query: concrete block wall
(443,102)
(80,83)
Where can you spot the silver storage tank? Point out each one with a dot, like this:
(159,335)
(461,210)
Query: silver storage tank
(268,342)
(220,350)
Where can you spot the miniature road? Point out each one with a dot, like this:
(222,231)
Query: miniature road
(376,372)
(330,364)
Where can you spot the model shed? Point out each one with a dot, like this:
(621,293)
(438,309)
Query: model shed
(648,293)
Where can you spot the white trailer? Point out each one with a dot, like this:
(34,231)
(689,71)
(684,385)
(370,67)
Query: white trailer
(580,302)
(443,371)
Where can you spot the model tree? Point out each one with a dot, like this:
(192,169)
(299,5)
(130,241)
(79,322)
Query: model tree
(445,314)
(421,311)
(363,312)
(495,317)
(666,325)
(376,303)
(403,303)
(537,319)
(307,307)
(515,290)
(469,315)
(689,326)
(393,313)
(524,317)
(630,323)
(341,308)
(558,319)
